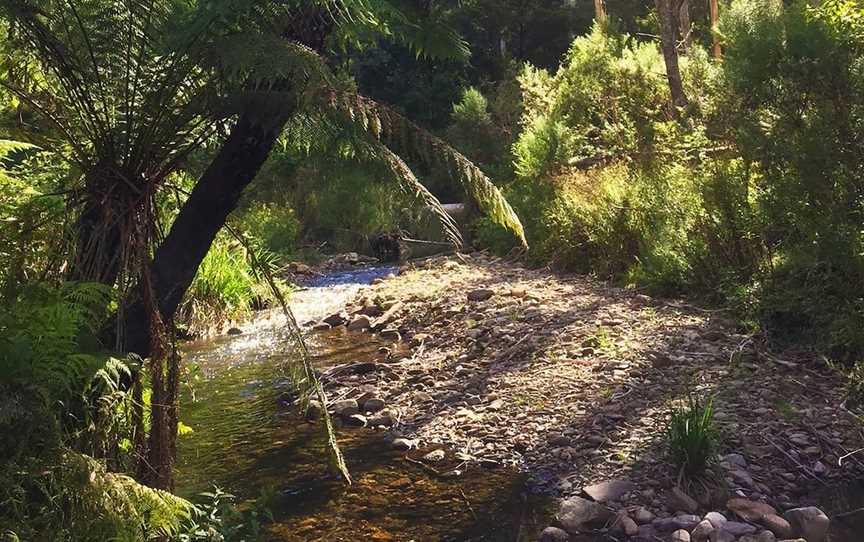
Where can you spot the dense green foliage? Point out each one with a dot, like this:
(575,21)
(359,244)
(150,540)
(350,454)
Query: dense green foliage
(749,197)
(55,378)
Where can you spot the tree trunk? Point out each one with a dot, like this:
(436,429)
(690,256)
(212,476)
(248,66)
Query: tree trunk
(684,24)
(670,52)
(715,16)
(109,200)
(599,11)
(215,195)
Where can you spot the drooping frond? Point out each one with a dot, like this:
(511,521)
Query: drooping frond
(326,137)
(407,139)
(303,376)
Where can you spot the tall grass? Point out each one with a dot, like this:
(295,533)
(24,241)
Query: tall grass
(225,289)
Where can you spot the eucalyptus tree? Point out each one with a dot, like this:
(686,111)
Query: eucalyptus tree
(132,87)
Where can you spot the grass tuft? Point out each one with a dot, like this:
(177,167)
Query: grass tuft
(693,437)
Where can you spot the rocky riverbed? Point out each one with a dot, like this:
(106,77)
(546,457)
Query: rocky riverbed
(573,380)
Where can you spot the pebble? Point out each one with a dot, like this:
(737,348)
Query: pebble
(434,456)
(680,536)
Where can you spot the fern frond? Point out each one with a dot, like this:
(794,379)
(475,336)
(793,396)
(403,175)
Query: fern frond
(407,139)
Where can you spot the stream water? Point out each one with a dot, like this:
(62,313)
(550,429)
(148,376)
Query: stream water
(247,442)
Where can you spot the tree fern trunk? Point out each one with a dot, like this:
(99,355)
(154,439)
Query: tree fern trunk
(214,197)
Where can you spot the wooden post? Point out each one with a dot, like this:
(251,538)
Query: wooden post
(715,15)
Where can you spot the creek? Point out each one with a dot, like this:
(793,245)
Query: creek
(248,442)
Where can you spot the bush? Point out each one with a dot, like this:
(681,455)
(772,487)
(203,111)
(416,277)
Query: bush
(276,227)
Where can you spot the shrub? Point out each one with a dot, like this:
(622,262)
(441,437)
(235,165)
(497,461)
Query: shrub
(276,227)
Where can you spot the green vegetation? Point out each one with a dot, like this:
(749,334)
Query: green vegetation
(746,197)
(693,438)
(161,162)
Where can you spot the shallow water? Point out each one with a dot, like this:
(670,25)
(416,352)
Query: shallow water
(247,441)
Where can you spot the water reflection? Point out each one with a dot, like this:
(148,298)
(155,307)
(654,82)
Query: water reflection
(245,442)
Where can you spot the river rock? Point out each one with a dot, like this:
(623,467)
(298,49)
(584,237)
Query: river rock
(624,524)
(678,500)
(345,407)
(321,326)
(359,323)
(611,490)
(385,418)
(809,523)
(716,519)
(777,525)
(373,404)
(680,536)
(337,319)
(554,534)
(721,535)
(356,420)
(702,532)
(684,521)
(738,529)
(764,536)
(642,515)
(750,510)
(371,310)
(577,513)
(403,444)
(481,294)
(434,456)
